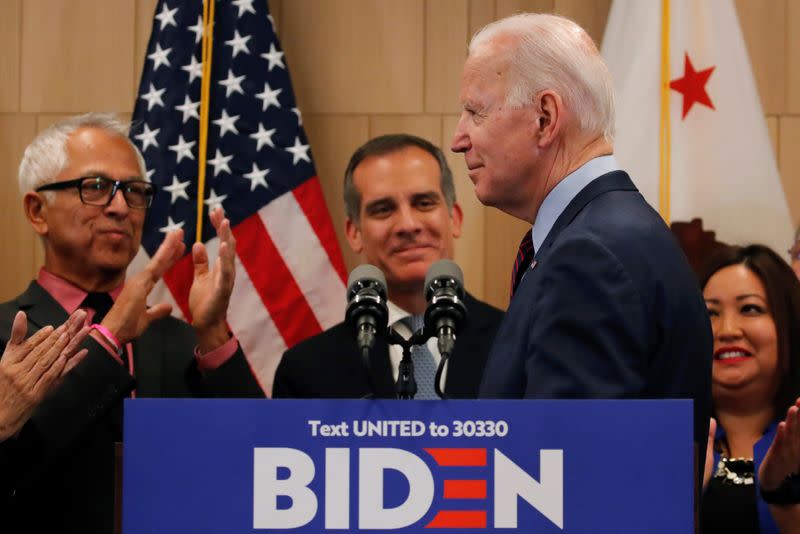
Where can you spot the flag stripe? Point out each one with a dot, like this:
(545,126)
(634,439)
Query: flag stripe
(274,282)
(257,334)
(312,201)
(306,258)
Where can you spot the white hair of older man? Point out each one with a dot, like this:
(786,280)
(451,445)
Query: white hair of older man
(552,52)
(46,155)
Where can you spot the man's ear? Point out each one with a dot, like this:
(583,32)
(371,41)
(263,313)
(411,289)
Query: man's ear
(457,216)
(35,207)
(353,233)
(550,121)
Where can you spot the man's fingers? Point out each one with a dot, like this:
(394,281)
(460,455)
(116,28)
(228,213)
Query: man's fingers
(159,311)
(74,360)
(46,359)
(49,377)
(19,328)
(36,345)
(227,265)
(75,342)
(167,254)
(75,322)
(199,259)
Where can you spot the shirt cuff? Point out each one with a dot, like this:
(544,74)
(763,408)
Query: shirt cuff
(215,358)
(103,342)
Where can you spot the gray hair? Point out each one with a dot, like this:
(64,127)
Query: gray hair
(552,52)
(46,155)
(386,144)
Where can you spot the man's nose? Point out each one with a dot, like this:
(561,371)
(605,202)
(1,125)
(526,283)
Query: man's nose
(408,220)
(118,204)
(460,142)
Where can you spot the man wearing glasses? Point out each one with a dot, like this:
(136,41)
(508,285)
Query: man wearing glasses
(86,195)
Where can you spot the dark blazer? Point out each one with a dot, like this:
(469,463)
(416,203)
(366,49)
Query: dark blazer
(329,365)
(611,309)
(63,479)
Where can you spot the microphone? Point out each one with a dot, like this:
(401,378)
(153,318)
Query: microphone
(446,312)
(366,306)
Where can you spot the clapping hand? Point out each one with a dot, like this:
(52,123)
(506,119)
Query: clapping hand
(31,368)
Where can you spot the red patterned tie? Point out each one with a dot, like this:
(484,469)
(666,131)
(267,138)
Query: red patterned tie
(522,261)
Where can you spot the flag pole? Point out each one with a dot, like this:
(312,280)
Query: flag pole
(664,152)
(205,87)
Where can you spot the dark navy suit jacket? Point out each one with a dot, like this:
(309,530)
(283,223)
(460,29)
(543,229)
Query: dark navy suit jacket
(329,364)
(611,309)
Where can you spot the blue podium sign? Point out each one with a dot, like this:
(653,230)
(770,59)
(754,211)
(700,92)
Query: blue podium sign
(315,466)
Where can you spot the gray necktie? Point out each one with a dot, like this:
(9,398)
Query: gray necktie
(424,364)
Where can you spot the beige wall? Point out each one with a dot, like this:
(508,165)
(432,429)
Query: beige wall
(360,68)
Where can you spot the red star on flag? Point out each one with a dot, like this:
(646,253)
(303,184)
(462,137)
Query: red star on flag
(692,86)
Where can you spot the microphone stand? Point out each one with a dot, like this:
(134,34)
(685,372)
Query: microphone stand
(406,386)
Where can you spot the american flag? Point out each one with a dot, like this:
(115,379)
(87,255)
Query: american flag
(289,269)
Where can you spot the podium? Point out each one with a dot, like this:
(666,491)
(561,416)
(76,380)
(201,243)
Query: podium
(252,466)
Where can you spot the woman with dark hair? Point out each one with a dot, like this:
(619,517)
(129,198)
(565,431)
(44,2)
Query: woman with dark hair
(752,482)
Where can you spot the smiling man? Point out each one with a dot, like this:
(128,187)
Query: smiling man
(604,304)
(85,194)
(402,216)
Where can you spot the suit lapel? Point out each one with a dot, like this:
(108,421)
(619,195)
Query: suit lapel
(612,181)
(381,378)
(147,361)
(461,366)
(41,308)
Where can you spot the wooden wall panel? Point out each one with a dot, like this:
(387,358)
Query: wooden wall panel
(333,139)
(143,25)
(591,14)
(355,56)
(472,244)
(789,163)
(793,58)
(504,233)
(17,268)
(77,55)
(764,28)
(446,38)
(510,7)
(772,128)
(481,13)
(426,126)
(10,14)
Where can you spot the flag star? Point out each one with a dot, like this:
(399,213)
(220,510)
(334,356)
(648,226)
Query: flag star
(244,6)
(220,163)
(183,149)
(198,29)
(226,124)
(296,111)
(299,151)
(274,57)
(159,57)
(189,109)
(167,16)
(171,226)
(257,177)
(233,84)
(239,43)
(150,175)
(194,68)
(693,86)
(271,21)
(269,96)
(177,189)
(213,201)
(153,97)
(148,137)
(263,137)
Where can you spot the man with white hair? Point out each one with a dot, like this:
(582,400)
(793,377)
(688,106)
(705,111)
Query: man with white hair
(604,303)
(85,193)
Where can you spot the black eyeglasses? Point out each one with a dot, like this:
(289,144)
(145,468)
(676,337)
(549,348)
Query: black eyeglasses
(100,191)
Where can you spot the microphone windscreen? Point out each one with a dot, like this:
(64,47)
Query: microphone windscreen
(365,272)
(444,269)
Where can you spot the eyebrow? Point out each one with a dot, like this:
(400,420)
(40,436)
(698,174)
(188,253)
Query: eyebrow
(738,298)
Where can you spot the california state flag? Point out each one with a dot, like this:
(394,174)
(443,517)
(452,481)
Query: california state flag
(690,130)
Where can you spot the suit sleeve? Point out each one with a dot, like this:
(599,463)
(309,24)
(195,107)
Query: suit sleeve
(283,386)
(587,336)
(233,379)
